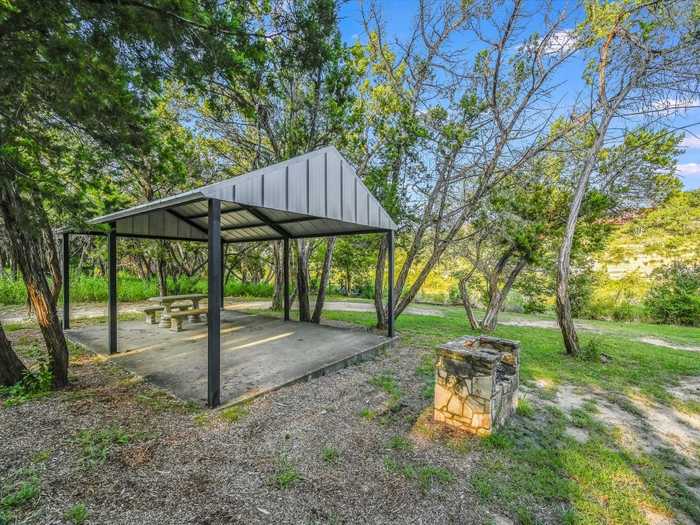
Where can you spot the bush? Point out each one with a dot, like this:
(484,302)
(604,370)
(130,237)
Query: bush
(12,291)
(89,288)
(581,293)
(674,297)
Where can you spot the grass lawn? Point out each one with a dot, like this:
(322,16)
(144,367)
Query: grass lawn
(591,442)
(534,463)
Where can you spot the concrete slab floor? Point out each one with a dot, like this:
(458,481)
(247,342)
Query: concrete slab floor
(258,354)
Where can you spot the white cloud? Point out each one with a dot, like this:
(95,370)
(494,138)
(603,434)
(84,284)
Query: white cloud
(561,42)
(689,169)
(691,142)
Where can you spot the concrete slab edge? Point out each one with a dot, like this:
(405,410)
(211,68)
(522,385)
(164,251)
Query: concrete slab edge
(331,368)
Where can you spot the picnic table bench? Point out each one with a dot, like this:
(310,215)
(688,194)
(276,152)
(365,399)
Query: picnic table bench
(176,318)
(168,303)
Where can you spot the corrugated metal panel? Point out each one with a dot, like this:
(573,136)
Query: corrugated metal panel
(158,223)
(318,184)
(281,216)
(348,194)
(333,187)
(297,186)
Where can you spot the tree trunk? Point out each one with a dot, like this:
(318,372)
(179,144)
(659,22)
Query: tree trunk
(379,306)
(303,249)
(464,294)
(498,297)
(162,275)
(323,285)
(278,295)
(566,323)
(26,246)
(11,368)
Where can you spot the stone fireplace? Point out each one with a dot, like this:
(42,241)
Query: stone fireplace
(476,383)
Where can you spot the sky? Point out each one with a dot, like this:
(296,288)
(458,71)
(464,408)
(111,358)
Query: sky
(398,16)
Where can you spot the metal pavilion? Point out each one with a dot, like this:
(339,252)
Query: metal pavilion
(317,194)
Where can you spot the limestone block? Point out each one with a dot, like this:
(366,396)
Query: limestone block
(438,416)
(482,386)
(442,396)
(455,405)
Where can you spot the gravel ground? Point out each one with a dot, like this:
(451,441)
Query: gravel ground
(180,466)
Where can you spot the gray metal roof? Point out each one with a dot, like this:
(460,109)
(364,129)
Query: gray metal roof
(312,195)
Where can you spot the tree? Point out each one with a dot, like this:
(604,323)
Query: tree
(299,100)
(81,73)
(519,227)
(472,119)
(644,54)
(11,367)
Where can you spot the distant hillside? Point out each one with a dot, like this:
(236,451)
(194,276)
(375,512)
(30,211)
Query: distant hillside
(655,238)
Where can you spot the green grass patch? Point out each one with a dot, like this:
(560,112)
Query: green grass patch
(424,475)
(36,383)
(368,414)
(388,384)
(286,474)
(77,514)
(533,464)
(97,444)
(525,408)
(399,443)
(234,413)
(635,366)
(330,454)
(21,487)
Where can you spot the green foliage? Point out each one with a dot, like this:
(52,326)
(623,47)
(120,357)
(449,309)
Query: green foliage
(674,297)
(35,384)
(669,232)
(235,413)
(97,444)
(525,408)
(399,443)
(330,454)
(77,514)
(590,349)
(18,489)
(424,475)
(368,414)
(286,474)
(580,293)
(388,383)
(85,288)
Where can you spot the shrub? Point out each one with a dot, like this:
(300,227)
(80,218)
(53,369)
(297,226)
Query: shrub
(581,293)
(77,514)
(90,288)
(34,384)
(536,288)
(674,297)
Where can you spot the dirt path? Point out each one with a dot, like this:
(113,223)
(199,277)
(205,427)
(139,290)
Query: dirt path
(18,314)
(582,325)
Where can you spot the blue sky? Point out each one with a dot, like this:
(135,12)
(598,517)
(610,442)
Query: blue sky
(398,15)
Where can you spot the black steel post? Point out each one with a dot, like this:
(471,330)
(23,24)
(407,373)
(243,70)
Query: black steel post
(390,286)
(285,264)
(66,281)
(214,305)
(112,288)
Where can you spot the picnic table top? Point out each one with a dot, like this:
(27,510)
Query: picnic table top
(173,298)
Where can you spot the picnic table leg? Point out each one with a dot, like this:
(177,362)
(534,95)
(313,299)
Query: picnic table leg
(165,316)
(195,318)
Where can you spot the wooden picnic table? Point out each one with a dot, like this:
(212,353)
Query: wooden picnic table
(167,301)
